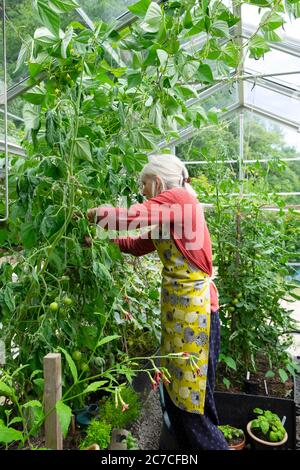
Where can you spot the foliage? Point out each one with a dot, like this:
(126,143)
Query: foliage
(116,415)
(131,442)
(98,432)
(269,425)
(230,432)
(22,420)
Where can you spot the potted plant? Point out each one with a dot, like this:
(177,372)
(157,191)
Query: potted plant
(266,430)
(235,437)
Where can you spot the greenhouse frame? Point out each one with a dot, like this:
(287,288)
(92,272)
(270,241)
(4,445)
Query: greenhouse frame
(89,92)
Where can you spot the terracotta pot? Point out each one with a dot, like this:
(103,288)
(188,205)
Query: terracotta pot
(260,443)
(239,446)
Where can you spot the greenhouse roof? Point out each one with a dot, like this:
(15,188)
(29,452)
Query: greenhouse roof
(269,87)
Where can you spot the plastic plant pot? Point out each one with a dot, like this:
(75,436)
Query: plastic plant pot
(260,444)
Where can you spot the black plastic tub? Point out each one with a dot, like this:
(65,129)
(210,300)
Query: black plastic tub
(237,410)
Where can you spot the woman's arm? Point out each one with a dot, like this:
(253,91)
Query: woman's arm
(136,246)
(163,208)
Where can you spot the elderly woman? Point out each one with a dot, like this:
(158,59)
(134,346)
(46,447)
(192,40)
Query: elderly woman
(189,300)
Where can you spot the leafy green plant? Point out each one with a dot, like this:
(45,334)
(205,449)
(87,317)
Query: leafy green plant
(98,432)
(268,426)
(117,416)
(131,442)
(230,432)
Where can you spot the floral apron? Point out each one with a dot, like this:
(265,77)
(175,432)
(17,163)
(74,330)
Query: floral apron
(185,320)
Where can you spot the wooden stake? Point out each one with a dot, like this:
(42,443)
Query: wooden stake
(53,393)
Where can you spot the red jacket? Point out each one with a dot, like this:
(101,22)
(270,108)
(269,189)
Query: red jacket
(180,209)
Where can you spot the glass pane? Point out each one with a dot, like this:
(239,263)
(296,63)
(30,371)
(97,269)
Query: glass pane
(21,22)
(281,105)
(251,16)
(106,10)
(276,62)
(14,129)
(213,145)
(265,138)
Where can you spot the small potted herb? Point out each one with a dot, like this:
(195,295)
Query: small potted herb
(266,430)
(235,437)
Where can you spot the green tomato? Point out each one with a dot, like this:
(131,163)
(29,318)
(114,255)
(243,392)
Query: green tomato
(67,301)
(62,311)
(78,192)
(235,301)
(231,309)
(54,306)
(84,367)
(239,295)
(77,355)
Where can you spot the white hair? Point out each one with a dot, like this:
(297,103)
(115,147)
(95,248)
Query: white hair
(170,169)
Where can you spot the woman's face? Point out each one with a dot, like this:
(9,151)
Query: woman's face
(151,186)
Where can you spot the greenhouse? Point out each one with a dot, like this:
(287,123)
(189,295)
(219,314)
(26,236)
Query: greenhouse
(150,225)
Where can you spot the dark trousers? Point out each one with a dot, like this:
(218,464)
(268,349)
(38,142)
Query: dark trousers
(194,431)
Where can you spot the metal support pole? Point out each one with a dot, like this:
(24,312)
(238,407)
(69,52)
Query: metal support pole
(5,113)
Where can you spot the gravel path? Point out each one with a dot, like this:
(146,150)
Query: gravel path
(148,427)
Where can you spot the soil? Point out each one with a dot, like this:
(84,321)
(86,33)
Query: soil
(275,387)
(235,440)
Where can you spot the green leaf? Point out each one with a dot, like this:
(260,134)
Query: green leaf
(24,53)
(270,374)
(153,18)
(28,235)
(93,387)
(226,382)
(32,403)
(187,91)
(31,117)
(264,426)
(259,411)
(283,375)
(187,20)
(64,413)
(258,47)
(71,364)
(271,36)
(230,362)
(9,298)
(48,17)
(140,8)
(8,435)
(220,29)
(101,271)
(271,22)
(3,236)
(199,27)
(66,41)
(82,149)
(143,139)
(45,36)
(162,56)
(260,3)
(204,74)
(134,79)
(35,96)
(15,420)
(107,339)
(7,391)
(61,6)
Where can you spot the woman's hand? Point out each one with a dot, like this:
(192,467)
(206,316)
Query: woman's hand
(92,215)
